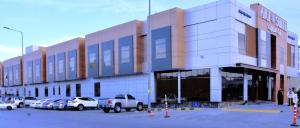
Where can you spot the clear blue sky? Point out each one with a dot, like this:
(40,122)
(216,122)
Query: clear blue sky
(47,22)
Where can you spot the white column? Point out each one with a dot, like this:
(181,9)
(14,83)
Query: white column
(245,97)
(179,87)
(153,87)
(215,85)
(269,88)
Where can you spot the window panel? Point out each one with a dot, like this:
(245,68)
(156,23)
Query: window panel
(160,48)
(72,64)
(68,91)
(51,68)
(97,89)
(293,55)
(263,49)
(37,70)
(281,55)
(60,66)
(107,57)
(125,54)
(92,57)
(242,43)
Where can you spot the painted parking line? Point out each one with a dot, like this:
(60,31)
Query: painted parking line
(187,109)
(250,110)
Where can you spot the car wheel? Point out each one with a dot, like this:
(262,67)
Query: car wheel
(127,109)
(139,107)
(21,105)
(9,108)
(118,108)
(106,110)
(80,107)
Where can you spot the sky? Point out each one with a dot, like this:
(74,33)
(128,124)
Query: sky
(48,22)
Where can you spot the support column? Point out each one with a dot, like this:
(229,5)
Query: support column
(269,88)
(245,97)
(153,88)
(276,87)
(179,87)
(215,85)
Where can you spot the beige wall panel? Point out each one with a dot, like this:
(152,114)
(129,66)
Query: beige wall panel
(251,49)
(174,18)
(114,33)
(11,62)
(65,47)
(281,41)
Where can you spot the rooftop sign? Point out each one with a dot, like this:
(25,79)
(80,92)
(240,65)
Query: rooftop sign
(274,19)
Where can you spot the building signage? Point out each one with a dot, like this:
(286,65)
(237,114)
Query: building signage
(244,13)
(274,19)
(290,37)
(273,29)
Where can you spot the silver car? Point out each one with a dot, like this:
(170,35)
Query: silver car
(8,106)
(61,104)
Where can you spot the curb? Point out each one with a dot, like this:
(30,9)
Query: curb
(187,109)
(250,110)
(177,109)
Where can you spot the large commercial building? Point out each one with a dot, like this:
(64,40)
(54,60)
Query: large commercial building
(220,51)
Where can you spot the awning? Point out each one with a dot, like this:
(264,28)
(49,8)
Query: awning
(257,68)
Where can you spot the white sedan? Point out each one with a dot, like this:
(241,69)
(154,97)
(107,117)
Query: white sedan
(39,103)
(8,106)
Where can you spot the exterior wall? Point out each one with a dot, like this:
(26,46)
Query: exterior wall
(13,71)
(1,75)
(114,34)
(173,18)
(211,32)
(292,40)
(205,36)
(109,87)
(64,53)
(36,62)
(266,23)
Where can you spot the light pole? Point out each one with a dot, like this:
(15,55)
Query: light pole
(22,57)
(149,56)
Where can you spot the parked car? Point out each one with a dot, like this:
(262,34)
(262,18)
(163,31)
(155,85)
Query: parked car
(48,104)
(34,104)
(18,101)
(30,100)
(8,106)
(122,101)
(39,103)
(60,104)
(81,103)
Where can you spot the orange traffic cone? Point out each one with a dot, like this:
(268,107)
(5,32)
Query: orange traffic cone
(295,116)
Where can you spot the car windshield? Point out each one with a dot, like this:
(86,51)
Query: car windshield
(57,100)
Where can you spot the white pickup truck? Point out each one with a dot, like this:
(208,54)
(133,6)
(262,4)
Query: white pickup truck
(122,101)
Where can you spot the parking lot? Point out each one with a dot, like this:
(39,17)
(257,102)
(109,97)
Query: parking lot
(205,117)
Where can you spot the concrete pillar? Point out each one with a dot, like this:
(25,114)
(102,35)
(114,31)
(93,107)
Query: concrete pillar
(153,87)
(179,87)
(245,96)
(269,88)
(215,85)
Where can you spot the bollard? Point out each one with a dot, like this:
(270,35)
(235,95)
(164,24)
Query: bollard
(166,108)
(295,116)
(291,106)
